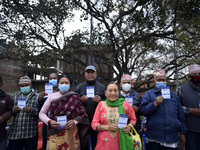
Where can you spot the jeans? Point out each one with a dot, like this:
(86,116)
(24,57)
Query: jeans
(3,144)
(20,144)
(156,146)
(192,141)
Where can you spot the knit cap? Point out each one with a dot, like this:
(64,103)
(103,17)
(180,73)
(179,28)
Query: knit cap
(24,79)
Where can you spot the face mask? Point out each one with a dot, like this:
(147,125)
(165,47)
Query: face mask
(64,87)
(25,90)
(54,82)
(159,85)
(195,79)
(126,87)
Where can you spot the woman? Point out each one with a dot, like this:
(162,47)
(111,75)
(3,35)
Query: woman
(60,104)
(106,119)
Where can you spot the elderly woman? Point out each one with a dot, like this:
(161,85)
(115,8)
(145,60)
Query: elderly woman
(106,120)
(58,105)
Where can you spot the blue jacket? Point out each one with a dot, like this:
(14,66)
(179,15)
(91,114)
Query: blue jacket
(165,121)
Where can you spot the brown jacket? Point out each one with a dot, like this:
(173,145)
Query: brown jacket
(5,112)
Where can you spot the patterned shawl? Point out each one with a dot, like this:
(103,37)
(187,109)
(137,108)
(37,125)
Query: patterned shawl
(70,105)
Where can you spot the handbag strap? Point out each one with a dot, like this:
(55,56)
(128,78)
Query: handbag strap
(132,129)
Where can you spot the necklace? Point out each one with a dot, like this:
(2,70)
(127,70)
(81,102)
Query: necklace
(112,116)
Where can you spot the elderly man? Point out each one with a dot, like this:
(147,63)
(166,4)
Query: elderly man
(165,116)
(24,130)
(133,97)
(189,94)
(91,92)
(5,115)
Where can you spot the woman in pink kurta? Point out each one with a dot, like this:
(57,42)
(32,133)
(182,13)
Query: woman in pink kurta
(106,119)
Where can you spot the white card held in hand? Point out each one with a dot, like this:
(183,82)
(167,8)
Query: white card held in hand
(123,119)
(165,91)
(21,102)
(48,88)
(129,99)
(62,120)
(90,91)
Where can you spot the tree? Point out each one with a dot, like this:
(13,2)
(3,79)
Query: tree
(140,34)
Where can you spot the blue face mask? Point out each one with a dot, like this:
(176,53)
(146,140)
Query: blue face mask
(159,85)
(64,87)
(54,82)
(25,90)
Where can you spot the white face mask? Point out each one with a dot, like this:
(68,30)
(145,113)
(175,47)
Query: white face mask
(126,87)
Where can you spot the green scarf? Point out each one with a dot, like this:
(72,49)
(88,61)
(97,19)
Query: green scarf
(126,142)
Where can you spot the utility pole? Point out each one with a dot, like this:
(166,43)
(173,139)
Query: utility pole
(175,63)
(91,40)
(174,47)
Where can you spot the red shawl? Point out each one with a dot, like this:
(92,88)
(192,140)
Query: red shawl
(70,105)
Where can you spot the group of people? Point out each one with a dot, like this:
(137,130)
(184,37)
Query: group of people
(103,113)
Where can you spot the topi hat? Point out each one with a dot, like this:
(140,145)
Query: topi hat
(158,72)
(193,67)
(125,77)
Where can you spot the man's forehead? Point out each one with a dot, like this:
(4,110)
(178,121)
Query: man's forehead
(53,75)
(196,71)
(25,84)
(161,77)
(126,81)
(90,71)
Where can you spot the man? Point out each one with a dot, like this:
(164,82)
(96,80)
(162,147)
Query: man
(24,130)
(189,94)
(91,93)
(165,116)
(53,79)
(5,115)
(133,97)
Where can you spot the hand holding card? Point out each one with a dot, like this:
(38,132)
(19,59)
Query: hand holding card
(165,91)
(62,121)
(123,119)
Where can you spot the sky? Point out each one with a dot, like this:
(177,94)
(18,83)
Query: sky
(76,24)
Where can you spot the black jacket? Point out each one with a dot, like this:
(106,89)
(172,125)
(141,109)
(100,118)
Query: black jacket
(91,105)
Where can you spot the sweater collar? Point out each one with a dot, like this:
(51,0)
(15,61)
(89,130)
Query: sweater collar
(91,82)
(156,90)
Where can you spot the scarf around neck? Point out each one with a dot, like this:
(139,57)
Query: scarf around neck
(126,142)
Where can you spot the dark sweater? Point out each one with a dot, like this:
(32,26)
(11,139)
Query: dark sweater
(5,112)
(91,105)
(190,98)
(137,99)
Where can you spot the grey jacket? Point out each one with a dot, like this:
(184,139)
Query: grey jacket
(190,98)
